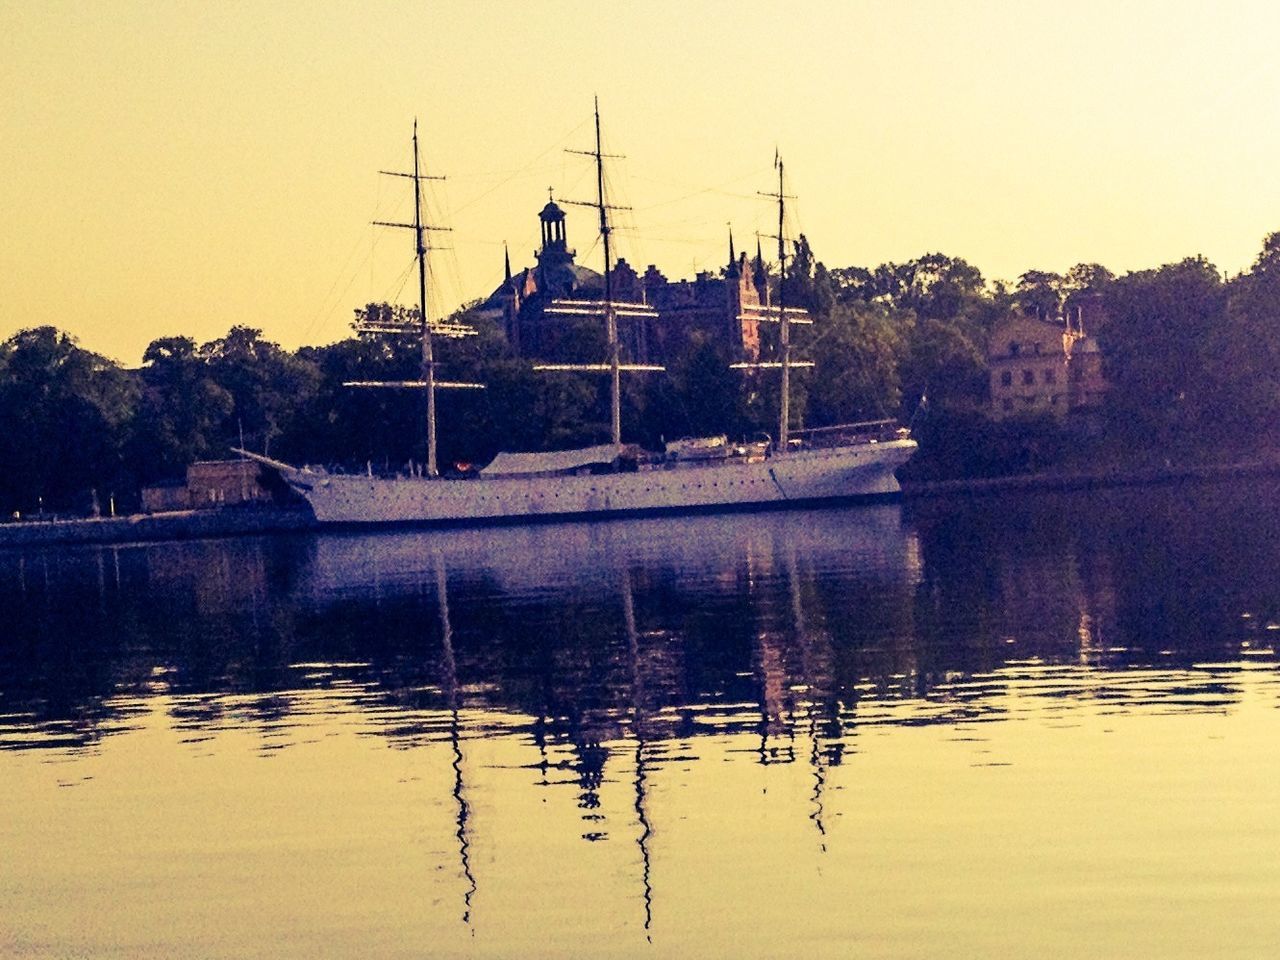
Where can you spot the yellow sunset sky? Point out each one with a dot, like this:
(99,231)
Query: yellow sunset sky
(175,168)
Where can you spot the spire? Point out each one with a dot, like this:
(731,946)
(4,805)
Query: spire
(758,275)
(733,256)
(506,263)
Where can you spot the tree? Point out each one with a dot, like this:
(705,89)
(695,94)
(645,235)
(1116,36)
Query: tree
(180,412)
(943,287)
(856,375)
(268,385)
(808,283)
(1164,326)
(1242,353)
(852,284)
(63,415)
(944,363)
(703,396)
(340,424)
(1039,294)
(1086,278)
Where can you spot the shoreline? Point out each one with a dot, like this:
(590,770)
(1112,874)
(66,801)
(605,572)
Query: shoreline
(1089,479)
(234,522)
(152,527)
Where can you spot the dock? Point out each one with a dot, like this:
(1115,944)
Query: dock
(175,525)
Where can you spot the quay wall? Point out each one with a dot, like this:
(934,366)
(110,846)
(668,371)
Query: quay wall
(177,525)
(230,522)
(1087,480)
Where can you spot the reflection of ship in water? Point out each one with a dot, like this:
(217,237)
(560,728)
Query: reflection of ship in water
(619,664)
(799,694)
(626,716)
(595,730)
(531,561)
(639,726)
(619,647)
(910,608)
(609,691)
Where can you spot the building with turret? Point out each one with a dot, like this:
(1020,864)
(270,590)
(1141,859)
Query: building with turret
(1046,366)
(722,309)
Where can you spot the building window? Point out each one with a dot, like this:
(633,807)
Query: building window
(1028,377)
(1050,376)
(1013,348)
(1006,378)
(1035,348)
(1007,404)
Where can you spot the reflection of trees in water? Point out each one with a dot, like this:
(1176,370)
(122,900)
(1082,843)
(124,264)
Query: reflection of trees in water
(782,650)
(1160,576)
(1117,578)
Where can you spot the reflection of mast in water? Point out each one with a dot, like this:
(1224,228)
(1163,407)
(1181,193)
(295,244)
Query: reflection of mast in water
(637,709)
(455,738)
(771,675)
(816,759)
(540,739)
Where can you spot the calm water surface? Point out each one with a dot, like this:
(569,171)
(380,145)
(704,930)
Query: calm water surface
(1044,726)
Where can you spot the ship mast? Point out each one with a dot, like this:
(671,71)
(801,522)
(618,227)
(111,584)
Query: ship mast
(405,321)
(613,364)
(784,327)
(784,316)
(610,317)
(428,357)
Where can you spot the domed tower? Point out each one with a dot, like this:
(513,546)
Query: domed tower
(555,260)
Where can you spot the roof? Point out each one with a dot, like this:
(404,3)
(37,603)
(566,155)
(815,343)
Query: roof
(552,211)
(556,461)
(584,279)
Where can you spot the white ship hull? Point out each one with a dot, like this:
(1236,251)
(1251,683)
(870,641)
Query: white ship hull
(801,476)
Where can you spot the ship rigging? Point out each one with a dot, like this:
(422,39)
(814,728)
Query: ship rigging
(784,316)
(853,462)
(408,321)
(607,308)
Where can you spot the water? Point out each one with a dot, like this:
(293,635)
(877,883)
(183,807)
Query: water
(1042,726)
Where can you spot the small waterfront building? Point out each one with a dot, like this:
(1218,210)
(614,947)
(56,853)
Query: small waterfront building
(209,484)
(1044,366)
(221,483)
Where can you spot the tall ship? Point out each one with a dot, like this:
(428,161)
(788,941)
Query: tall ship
(850,462)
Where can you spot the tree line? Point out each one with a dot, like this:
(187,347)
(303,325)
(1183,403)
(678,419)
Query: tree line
(1192,357)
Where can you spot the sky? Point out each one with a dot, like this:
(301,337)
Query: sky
(173,168)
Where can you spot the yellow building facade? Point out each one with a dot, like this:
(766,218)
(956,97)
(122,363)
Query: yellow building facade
(1043,366)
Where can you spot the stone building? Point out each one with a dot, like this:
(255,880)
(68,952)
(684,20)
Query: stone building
(1045,366)
(209,484)
(723,309)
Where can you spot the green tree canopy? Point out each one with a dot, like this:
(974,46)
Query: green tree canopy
(1157,344)
(63,417)
(1039,294)
(180,413)
(268,385)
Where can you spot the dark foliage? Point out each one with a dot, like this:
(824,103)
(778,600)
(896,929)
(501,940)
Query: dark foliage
(1192,359)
